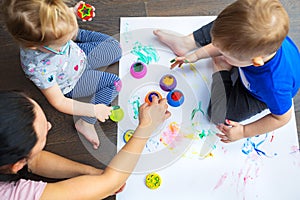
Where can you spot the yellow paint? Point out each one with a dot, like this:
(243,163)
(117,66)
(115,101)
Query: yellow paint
(193,68)
(168,80)
(209,155)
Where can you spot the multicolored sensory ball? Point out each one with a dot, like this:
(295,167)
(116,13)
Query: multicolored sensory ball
(85,12)
(127,135)
(153,181)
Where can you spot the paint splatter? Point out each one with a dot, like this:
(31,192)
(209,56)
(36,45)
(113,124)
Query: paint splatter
(272,137)
(127,35)
(295,152)
(247,174)
(243,177)
(254,145)
(169,136)
(145,54)
(202,134)
(205,79)
(295,149)
(195,110)
(193,68)
(209,155)
(190,136)
(221,181)
(152,145)
(135,104)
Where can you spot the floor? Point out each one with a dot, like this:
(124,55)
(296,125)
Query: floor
(63,138)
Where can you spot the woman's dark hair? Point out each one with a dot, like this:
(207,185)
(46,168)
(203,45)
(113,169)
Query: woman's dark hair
(17,134)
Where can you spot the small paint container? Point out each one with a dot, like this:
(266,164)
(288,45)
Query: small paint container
(167,82)
(117,114)
(138,70)
(148,97)
(175,98)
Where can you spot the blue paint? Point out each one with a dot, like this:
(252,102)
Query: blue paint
(250,146)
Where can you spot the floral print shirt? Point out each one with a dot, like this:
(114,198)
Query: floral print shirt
(48,69)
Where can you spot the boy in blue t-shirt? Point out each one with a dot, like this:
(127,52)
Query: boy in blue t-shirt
(249,36)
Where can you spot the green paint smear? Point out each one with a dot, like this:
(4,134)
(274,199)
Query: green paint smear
(135,106)
(145,54)
(195,110)
(202,134)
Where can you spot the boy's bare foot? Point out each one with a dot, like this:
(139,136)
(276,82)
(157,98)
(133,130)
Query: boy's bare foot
(88,131)
(221,64)
(180,45)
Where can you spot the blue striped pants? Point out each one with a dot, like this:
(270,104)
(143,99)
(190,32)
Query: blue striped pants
(100,87)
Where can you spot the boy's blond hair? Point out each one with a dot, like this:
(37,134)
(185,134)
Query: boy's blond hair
(250,28)
(38,22)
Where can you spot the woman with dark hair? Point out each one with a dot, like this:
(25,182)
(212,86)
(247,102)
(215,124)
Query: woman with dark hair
(23,131)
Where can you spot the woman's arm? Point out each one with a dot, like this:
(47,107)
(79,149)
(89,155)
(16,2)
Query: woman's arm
(50,165)
(73,107)
(120,168)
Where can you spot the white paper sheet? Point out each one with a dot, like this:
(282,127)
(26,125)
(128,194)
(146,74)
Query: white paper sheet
(263,167)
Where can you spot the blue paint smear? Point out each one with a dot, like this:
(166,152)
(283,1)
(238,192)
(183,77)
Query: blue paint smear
(250,146)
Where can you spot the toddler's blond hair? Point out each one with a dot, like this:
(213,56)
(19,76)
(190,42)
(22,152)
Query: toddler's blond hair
(38,22)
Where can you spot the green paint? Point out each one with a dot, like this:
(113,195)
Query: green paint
(115,107)
(138,67)
(202,134)
(173,60)
(145,54)
(195,110)
(135,106)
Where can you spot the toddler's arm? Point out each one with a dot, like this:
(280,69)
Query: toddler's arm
(268,123)
(201,53)
(236,131)
(73,107)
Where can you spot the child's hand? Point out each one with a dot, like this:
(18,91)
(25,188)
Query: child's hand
(231,132)
(151,116)
(178,61)
(102,112)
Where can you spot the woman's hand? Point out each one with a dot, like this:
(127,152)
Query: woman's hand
(151,116)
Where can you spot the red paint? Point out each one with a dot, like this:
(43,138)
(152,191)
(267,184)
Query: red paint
(176,96)
(272,138)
